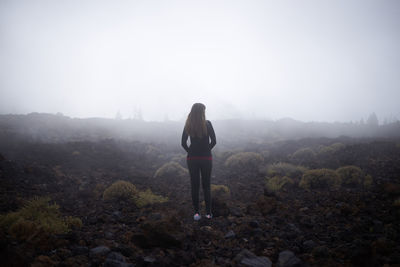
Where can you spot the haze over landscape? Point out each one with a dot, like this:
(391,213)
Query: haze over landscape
(308,60)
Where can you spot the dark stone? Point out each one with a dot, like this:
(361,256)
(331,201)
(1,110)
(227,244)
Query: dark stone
(247,258)
(254,224)
(320,252)
(288,259)
(115,259)
(308,245)
(99,251)
(235,211)
(230,234)
(79,250)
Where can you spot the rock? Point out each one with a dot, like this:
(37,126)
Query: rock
(80,260)
(79,250)
(115,259)
(235,211)
(165,233)
(308,245)
(288,259)
(230,234)
(247,258)
(149,259)
(254,224)
(99,251)
(108,235)
(320,252)
(43,260)
(155,216)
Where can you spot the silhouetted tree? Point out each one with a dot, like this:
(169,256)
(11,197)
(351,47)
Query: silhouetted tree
(373,120)
(118,116)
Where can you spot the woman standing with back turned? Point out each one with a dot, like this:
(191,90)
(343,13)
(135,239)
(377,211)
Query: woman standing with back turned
(199,158)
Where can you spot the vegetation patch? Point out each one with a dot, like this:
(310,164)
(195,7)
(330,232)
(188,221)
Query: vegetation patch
(320,179)
(278,183)
(244,160)
(126,191)
(330,149)
(171,169)
(220,191)
(37,216)
(303,154)
(120,190)
(352,176)
(285,169)
(147,197)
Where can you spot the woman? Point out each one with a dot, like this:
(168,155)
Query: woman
(199,158)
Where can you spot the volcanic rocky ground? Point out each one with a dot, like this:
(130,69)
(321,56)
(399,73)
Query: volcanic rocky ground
(293,227)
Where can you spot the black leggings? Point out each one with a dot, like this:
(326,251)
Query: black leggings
(203,166)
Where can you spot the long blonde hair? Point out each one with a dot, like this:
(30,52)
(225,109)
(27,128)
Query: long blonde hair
(196,121)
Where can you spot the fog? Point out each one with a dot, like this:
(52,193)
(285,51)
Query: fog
(308,60)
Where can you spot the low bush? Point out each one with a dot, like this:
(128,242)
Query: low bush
(244,160)
(320,179)
(285,169)
(147,197)
(220,191)
(278,183)
(37,216)
(171,169)
(120,190)
(337,146)
(303,154)
(330,149)
(325,149)
(126,191)
(353,176)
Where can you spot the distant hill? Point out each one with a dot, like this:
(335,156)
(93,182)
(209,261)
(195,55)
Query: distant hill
(49,128)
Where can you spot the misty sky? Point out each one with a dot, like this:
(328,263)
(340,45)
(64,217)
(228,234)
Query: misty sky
(316,60)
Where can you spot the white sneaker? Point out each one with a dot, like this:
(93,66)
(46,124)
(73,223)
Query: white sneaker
(197,217)
(209,216)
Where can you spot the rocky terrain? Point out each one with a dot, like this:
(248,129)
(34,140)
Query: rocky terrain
(257,222)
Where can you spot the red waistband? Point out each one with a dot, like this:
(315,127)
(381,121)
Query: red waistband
(200,157)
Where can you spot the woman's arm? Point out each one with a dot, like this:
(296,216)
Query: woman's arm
(184,140)
(211,133)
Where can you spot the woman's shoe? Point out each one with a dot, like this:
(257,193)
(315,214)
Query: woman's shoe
(197,217)
(209,216)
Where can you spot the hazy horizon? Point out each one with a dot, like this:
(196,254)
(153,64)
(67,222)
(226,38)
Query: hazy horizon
(309,60)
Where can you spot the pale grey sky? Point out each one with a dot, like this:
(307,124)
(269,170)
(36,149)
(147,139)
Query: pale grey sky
(315,60)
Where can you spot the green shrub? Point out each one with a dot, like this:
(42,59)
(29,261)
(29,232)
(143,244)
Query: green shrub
(337,146)
(353,176)
(244,160)
(303,154)
(171,169)
(126,191)
(325,149)
(120,190)
(36,216)
(330,149)
(277,183)
(147,197)
(320,179)
(220,191)
(285,169)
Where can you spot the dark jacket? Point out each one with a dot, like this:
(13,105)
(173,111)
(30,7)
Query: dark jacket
(200,147)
